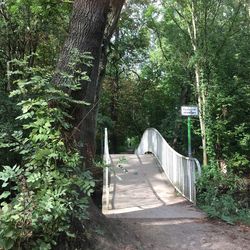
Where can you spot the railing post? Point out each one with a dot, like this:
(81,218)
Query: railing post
(106,162)
(107,187)
(194,180)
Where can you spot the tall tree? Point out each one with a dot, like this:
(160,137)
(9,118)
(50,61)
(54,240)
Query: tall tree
(91,27)
(199,21)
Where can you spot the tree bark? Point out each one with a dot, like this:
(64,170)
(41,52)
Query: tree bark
(200,89)
(91,27)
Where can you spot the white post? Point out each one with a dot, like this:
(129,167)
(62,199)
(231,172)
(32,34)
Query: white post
(106,161)
(107,187)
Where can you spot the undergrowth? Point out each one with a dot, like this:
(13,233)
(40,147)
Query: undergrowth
(223,196)
(46,188)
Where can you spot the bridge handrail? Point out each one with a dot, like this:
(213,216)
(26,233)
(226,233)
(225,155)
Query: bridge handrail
(179,169)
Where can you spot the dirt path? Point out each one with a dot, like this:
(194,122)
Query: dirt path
(144,203)
(161,234)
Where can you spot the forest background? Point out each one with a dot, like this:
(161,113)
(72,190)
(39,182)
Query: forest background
(162,55)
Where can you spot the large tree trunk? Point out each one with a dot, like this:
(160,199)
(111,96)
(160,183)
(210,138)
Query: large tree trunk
(91,27)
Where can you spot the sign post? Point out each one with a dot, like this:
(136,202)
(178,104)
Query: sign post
(189,137)
(189,111)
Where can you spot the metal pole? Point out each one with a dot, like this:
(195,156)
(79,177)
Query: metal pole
(106,161)
(107,187)
(189,137)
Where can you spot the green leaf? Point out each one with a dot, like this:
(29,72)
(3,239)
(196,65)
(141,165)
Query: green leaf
(9,233)
(5,194)
(5,184)
(8,244)
(71,235)
(15,217)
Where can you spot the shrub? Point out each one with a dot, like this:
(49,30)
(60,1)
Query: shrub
(48,188)
(219,195)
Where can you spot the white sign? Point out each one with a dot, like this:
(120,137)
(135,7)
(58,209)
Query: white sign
(189,111)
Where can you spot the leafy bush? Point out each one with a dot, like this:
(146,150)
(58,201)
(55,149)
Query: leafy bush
(48,188)
(219,195)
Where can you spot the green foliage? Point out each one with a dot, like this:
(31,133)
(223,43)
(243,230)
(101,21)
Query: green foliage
(223,195)
(47,187)
(8,111)
(27,27)
(147,82)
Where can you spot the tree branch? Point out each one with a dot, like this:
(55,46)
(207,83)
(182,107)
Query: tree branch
(228,34)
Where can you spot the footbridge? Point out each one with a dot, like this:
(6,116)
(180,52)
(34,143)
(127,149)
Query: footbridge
(154,182)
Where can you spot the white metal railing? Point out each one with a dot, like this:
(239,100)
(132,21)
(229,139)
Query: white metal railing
(106,161)
(180,170)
